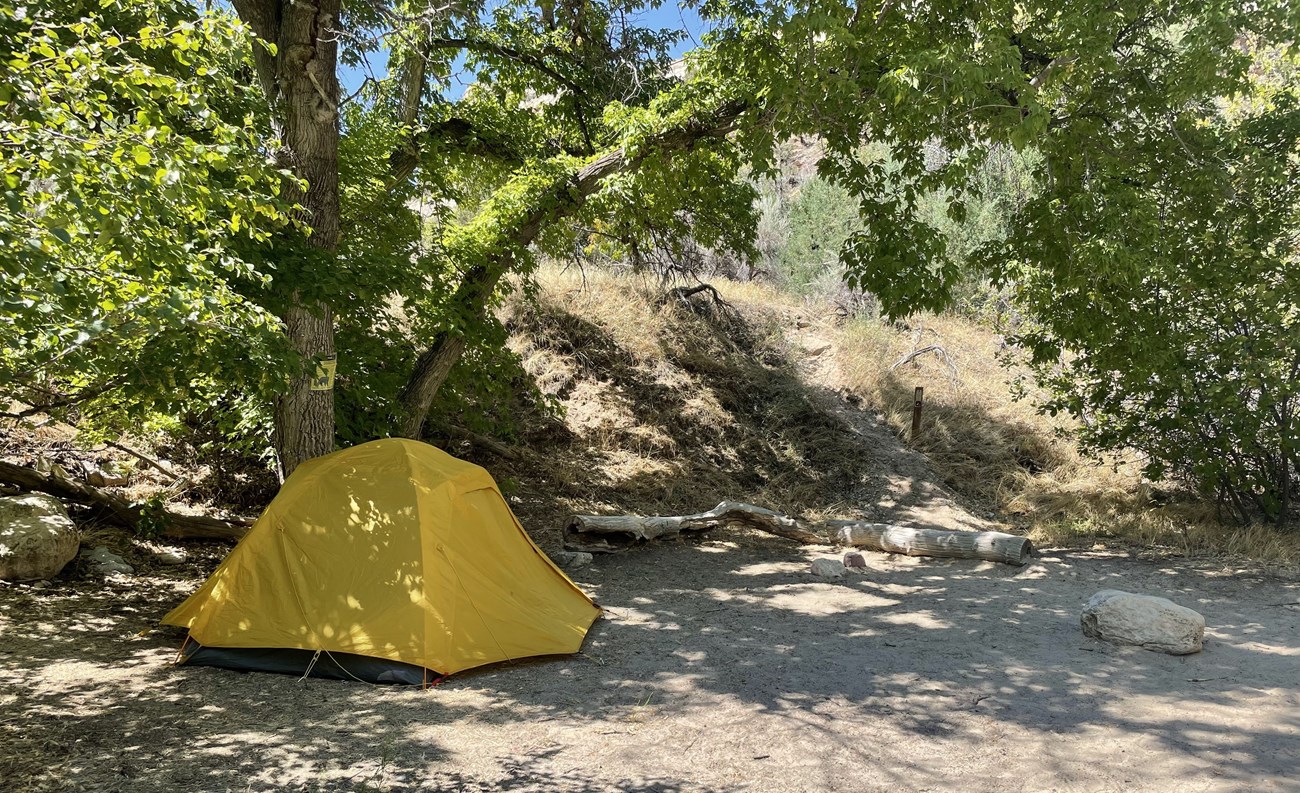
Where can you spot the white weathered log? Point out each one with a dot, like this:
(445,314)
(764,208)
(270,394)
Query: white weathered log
(992,546)
(613,533)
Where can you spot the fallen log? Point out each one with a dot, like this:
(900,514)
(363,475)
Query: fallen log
(613,533)
(175,524)
(992,546)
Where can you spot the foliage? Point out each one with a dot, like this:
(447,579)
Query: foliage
(1173,326)
(133,176)
(822,217)
(147,251)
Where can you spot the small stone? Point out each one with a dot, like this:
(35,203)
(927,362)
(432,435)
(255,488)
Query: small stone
(814,346)
(827,567)
(571,559)
(169,557)
(855,560)
(1143,621)
(105,561)
(36,537)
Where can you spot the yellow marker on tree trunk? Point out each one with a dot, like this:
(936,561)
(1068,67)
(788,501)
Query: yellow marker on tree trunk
(324,378)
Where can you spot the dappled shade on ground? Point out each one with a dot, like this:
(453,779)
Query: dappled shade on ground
(722,666)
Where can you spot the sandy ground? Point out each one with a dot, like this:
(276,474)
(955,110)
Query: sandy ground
(720,665)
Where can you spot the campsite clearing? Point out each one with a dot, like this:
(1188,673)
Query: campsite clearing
(719,666)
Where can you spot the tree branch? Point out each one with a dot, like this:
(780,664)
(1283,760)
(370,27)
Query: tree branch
(564,198)
(526,58)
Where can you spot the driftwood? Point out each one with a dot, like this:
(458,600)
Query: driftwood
(989,545)
(175,524)
(613,533)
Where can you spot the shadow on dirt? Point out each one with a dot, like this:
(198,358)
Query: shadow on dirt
(724,649)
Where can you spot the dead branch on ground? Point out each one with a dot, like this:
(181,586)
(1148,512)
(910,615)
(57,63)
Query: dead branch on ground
(175,525)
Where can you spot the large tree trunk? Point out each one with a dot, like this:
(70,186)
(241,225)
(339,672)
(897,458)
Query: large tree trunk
(304,416)
(435,364)
(431,371)
(301,82)
(565,198)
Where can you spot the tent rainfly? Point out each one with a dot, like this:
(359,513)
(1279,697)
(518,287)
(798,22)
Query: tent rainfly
(389,562)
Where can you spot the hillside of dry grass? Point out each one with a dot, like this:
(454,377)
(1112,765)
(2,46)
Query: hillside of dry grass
(670,406)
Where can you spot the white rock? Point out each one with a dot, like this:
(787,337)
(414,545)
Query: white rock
(827,567)
(105,561)
(36,537)
(99,477)
(814,346)
(1143,620)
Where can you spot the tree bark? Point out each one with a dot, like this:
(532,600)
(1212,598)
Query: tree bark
(301,81)
(175,524)
(991,546)
(613,533)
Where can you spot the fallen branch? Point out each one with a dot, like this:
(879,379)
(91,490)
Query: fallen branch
(482,441)
(176,525)
(613,533)
(992,546)
(934,348)
(146,459)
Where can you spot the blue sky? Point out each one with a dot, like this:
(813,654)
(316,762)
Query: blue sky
(669,16)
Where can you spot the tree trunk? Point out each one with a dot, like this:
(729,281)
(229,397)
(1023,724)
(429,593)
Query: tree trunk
(430,373)
(301,82)
(435,364)
(991,546)
(566,197)
(304,416)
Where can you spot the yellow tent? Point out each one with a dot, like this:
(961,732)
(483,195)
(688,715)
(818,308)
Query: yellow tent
(391,561)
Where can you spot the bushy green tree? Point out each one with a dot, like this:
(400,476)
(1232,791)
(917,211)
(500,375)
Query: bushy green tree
(573,124)
(821,217)
(1167,300)
(134,180)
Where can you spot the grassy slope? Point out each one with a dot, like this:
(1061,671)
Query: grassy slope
(670,409)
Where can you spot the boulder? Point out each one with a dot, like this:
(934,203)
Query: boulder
(827,567)
(1143,621)
(36,537)
(105,561)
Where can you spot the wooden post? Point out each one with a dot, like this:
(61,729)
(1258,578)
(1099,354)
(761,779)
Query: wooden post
(918,400)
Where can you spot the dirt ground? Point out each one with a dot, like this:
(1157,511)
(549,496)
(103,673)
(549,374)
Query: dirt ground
(720,665)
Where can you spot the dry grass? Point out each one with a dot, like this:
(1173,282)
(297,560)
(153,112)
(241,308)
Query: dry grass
(1003,451)
(671,407)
